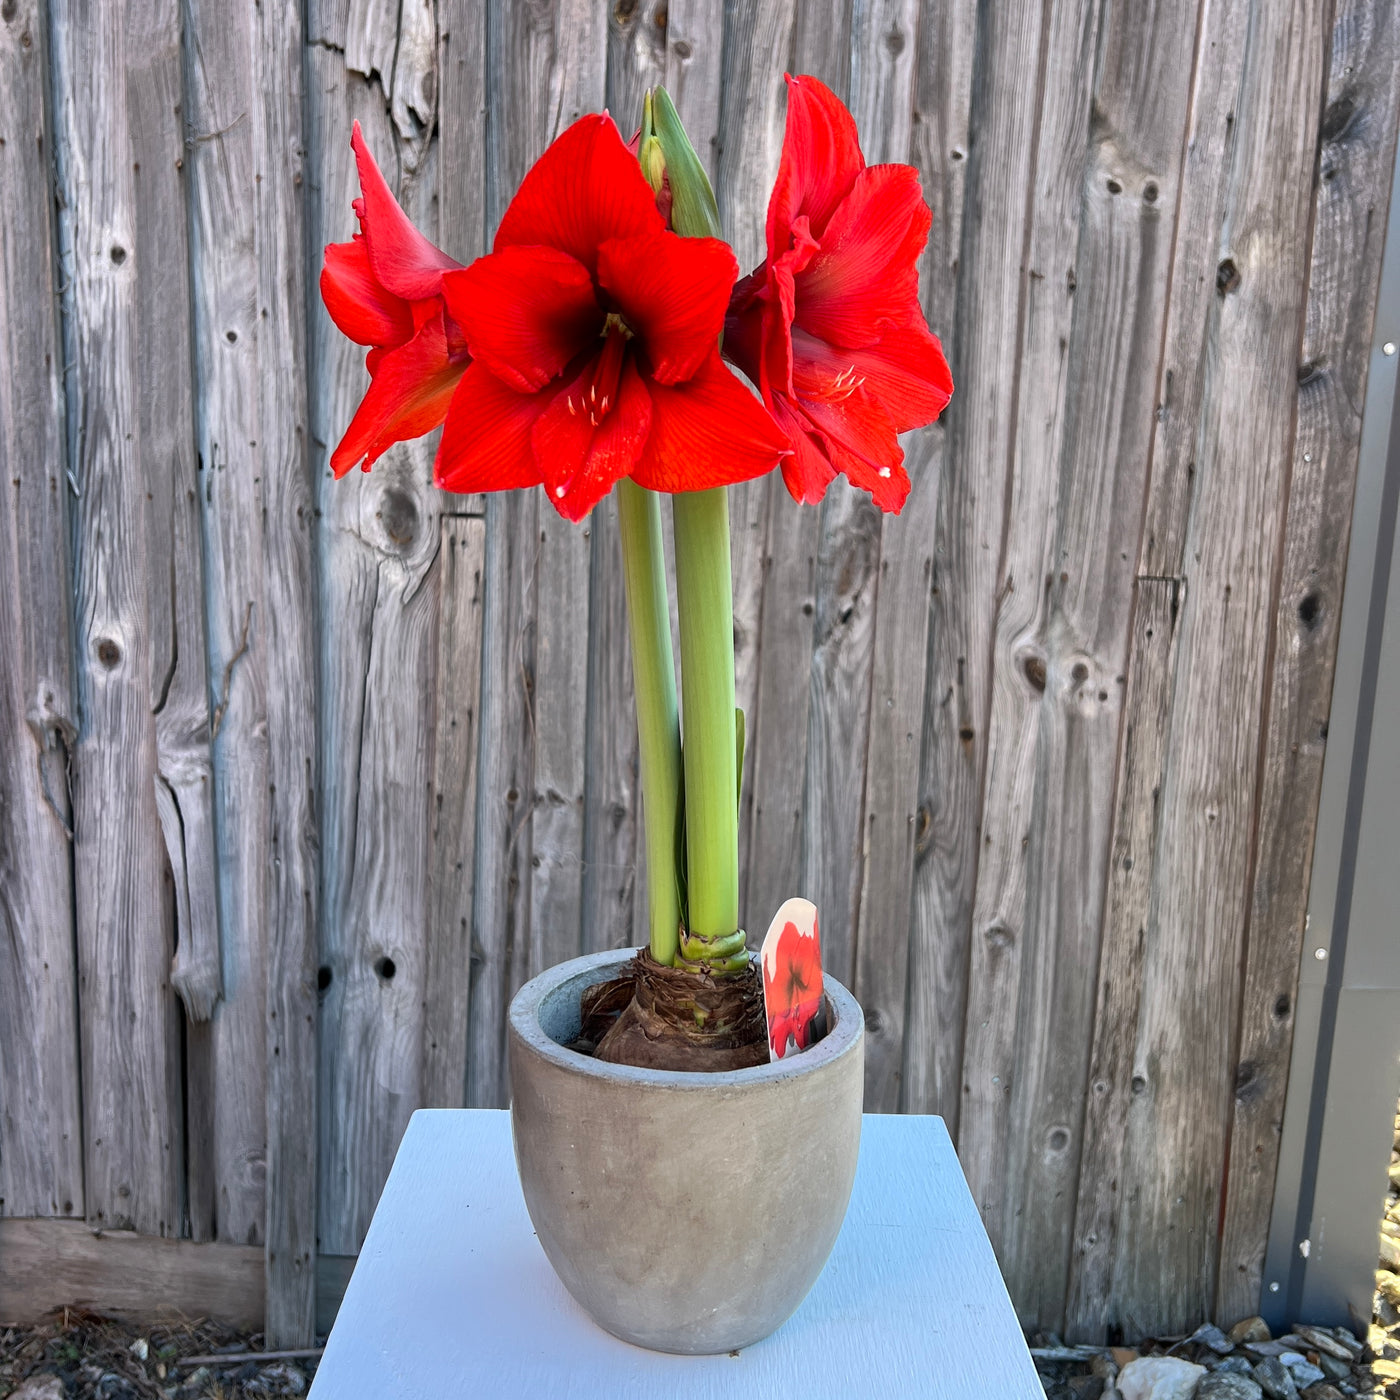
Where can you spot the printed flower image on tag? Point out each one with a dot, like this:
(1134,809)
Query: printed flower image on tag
(792,978)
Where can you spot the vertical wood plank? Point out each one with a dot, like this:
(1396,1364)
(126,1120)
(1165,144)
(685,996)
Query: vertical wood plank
(1356,152)
(222,85)
(695,70)
(1214,516)
(379,537)
(546,68)
(293,879)
(461,562)
(561,589)
(612,834)
(500,906)
(41,1167)
(967,554)
(775,787)
(883,49)
(1137,821)
(1108,167)
(897,823)
(117,98)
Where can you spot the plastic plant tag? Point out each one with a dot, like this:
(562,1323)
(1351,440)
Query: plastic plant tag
(792,979)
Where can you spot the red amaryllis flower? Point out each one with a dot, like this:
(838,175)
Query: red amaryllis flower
(594,338)
(830,327)
(384,289)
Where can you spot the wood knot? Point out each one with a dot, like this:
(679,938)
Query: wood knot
(398,513)
(1337,119)
(1227,277)
(108,652)
(999,937)
(1033,668)
(1245,1079)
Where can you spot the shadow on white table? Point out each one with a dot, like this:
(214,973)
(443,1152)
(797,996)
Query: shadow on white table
(453,1296)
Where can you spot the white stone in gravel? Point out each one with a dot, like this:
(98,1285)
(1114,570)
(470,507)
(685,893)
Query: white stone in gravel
(40,1388)
(1160,1378)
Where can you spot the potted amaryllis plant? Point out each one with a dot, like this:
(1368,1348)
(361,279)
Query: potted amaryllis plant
(686,1189)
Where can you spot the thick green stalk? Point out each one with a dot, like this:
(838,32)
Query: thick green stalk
(704,596)
(658,727)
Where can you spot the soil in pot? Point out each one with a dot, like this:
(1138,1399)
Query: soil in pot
(658,1017)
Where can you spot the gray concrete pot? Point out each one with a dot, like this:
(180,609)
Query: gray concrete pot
(686,1212)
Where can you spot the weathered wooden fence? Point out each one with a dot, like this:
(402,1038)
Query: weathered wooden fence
(300,779)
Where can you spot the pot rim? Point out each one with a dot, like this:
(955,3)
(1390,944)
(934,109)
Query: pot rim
(843,1038)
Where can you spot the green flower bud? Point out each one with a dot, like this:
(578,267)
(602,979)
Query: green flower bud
(667,157)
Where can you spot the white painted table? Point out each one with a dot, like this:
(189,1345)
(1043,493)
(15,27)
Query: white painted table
(453,1296)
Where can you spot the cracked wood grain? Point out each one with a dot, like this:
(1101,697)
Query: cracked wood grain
(41,1169)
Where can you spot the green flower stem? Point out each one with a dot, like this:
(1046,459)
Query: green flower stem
(704,596)
(658,726)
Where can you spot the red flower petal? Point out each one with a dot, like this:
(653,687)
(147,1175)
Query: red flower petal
(862,445)
(673,292)
(580,460)
(402,258)
(362,309)
(775,367)
(486,441)
(708,431)
(408,395)
(865,279)
(582,191)
(808,472)
(905,372)
(820,161)
(527,312)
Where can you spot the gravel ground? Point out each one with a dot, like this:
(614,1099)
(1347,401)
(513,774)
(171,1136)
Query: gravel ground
(82,1357)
